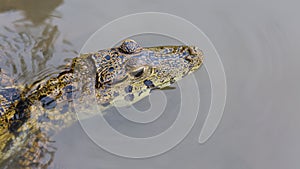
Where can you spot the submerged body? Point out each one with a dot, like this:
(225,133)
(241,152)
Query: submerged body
(119,76)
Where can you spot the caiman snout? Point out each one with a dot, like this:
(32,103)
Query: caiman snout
(195,58)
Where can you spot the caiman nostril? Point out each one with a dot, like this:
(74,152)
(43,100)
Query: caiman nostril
(195,51)
(188,58)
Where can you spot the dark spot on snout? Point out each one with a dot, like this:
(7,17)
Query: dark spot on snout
(149,83)
(128,89)
(48,102)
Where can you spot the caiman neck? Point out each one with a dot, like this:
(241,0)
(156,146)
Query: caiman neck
(55,89)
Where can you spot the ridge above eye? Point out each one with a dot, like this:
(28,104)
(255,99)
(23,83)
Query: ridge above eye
(130,46)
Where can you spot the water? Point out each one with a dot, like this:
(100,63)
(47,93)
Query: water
(258,44)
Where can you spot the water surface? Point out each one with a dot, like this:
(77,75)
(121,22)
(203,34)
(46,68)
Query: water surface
(258,44)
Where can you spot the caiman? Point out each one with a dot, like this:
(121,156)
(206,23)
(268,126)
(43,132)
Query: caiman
(119,76)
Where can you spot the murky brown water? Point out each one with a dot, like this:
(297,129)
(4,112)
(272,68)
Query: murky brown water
(258,44)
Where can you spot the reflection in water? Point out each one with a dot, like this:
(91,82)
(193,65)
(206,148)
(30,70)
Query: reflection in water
(30,39)
(25,50)
(36,11)
(25,54)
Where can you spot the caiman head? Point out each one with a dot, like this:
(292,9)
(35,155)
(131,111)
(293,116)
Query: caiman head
(128,73)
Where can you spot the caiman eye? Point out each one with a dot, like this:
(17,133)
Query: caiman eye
(138,72)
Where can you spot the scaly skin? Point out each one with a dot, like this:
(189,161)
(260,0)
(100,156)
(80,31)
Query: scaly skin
(119,76)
